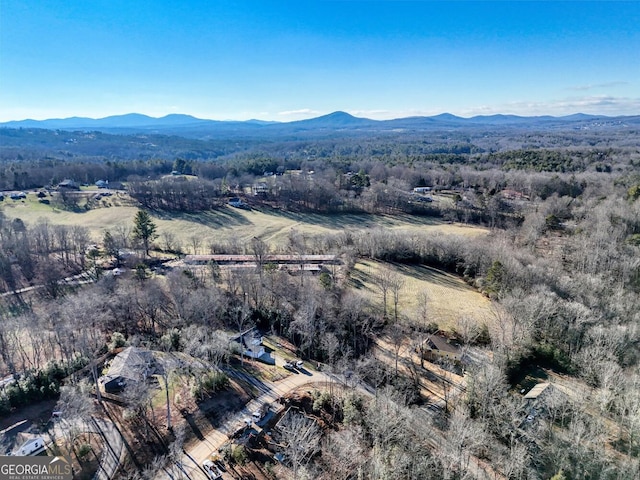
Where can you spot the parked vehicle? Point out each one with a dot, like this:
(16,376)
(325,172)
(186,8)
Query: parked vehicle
(211,470)
(260,412)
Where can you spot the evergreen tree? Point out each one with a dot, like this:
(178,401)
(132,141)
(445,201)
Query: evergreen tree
(144,229)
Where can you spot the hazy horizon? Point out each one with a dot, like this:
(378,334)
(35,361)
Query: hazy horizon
(295,120)
(284,62)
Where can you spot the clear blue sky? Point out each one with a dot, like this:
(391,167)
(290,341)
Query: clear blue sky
(289,60)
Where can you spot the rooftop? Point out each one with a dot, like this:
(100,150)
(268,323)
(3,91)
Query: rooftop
(536,391)
(442,343)
(131,363)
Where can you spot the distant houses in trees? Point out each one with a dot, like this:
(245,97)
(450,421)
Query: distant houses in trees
(68,184)
(260,189)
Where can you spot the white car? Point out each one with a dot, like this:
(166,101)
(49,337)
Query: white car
(212,470)
(260,412)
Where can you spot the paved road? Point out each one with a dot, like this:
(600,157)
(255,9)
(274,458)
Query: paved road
(80,279)
(113,451)
(113,445)
(190,464)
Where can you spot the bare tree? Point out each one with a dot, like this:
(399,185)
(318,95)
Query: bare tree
(170,242)
(423,309)
(76,409)
(260,250)
(300,437)
(397,336)
(195,241)
(396,283)
(344,454)
(381,279)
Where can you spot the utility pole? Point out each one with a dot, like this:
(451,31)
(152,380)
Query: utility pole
(165,375)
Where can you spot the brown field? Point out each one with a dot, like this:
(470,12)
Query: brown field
(449,297)
(227,224)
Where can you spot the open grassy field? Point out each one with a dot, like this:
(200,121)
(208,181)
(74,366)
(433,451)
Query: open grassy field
(227,224)
(449,298)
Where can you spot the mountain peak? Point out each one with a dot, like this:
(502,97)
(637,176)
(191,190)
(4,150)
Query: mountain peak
(335,119)
(338,114)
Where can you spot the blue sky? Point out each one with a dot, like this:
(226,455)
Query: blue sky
(289,60)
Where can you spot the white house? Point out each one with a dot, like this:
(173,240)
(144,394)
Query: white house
(32,446)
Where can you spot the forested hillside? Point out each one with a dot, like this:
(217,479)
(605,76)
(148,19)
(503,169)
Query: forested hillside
(555,255)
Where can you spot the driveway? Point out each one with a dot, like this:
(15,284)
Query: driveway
(113,444)
(190,464)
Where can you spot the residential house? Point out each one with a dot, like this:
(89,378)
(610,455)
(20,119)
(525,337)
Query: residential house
(30,445)
(422,190)
(130,366)
(439,347)
(68,183)
(102,184)
(251,344)
(543,400)
(510,194)
(259,189)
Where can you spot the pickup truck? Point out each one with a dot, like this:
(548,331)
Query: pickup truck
(211,469)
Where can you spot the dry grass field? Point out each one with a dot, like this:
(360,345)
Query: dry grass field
(226,224)
(449,298)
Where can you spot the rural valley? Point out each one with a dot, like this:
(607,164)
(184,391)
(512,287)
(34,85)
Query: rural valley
(319,240)
(360,305)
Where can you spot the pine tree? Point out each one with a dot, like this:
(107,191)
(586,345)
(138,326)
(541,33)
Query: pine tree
(144,229)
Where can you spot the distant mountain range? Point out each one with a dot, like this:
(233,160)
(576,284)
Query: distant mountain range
(187,125)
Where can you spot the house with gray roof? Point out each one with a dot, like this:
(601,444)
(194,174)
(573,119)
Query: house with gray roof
(131,365)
